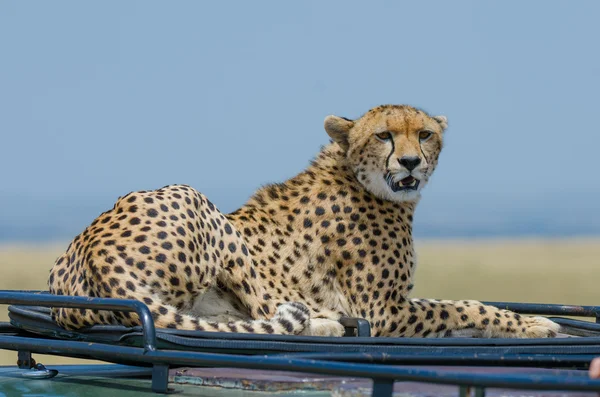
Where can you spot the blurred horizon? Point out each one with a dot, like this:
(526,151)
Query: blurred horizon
(100,99)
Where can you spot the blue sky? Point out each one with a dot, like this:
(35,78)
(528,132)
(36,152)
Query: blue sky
(101,98)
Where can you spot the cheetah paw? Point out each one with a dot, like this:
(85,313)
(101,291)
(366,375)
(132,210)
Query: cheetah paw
(324,327)
(538,327)
(526,327)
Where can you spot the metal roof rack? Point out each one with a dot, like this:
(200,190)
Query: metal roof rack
(373,358)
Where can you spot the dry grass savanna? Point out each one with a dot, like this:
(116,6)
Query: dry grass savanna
(525,270)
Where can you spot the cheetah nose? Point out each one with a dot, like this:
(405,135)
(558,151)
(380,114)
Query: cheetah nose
(410,163)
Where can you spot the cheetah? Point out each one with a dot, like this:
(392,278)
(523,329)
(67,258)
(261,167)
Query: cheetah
(335,240)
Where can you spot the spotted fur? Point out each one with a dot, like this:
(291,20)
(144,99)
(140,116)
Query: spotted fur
(335,240)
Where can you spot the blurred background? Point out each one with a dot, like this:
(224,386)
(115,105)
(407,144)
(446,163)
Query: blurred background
(99,99)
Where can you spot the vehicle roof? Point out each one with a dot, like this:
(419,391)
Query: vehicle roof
(127,381)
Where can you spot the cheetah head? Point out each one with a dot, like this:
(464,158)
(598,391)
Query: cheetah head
(392,149)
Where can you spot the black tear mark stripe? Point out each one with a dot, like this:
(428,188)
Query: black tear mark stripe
(387,161)
(422,152)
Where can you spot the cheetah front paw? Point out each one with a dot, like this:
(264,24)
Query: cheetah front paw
(538,327)
(524,327)
(324,327)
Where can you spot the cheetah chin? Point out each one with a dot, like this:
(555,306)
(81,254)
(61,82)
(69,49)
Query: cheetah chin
(408,183)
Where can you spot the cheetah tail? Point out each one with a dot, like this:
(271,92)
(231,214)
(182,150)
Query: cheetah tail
(289,319)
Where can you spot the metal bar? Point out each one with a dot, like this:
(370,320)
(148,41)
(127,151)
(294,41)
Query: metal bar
(24,359)
(580,361)
(160,378)
(583,325)
(382,388)
(374,371)
(80,302)
(362,326)
(548,309)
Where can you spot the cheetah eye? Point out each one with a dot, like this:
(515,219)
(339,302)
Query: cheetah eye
(384,136)
(425,135)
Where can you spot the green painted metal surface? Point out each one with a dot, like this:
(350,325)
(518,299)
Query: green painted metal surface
(117,381)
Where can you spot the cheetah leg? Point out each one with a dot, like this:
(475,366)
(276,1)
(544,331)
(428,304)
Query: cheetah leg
(242,283)
(432,318)
(233,261)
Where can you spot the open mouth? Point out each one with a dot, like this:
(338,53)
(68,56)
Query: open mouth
(408,183)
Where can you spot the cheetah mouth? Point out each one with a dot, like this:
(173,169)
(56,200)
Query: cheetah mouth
(408,183)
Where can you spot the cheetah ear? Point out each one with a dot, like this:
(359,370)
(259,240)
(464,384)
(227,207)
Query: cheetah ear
(338,128)
(442,121)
